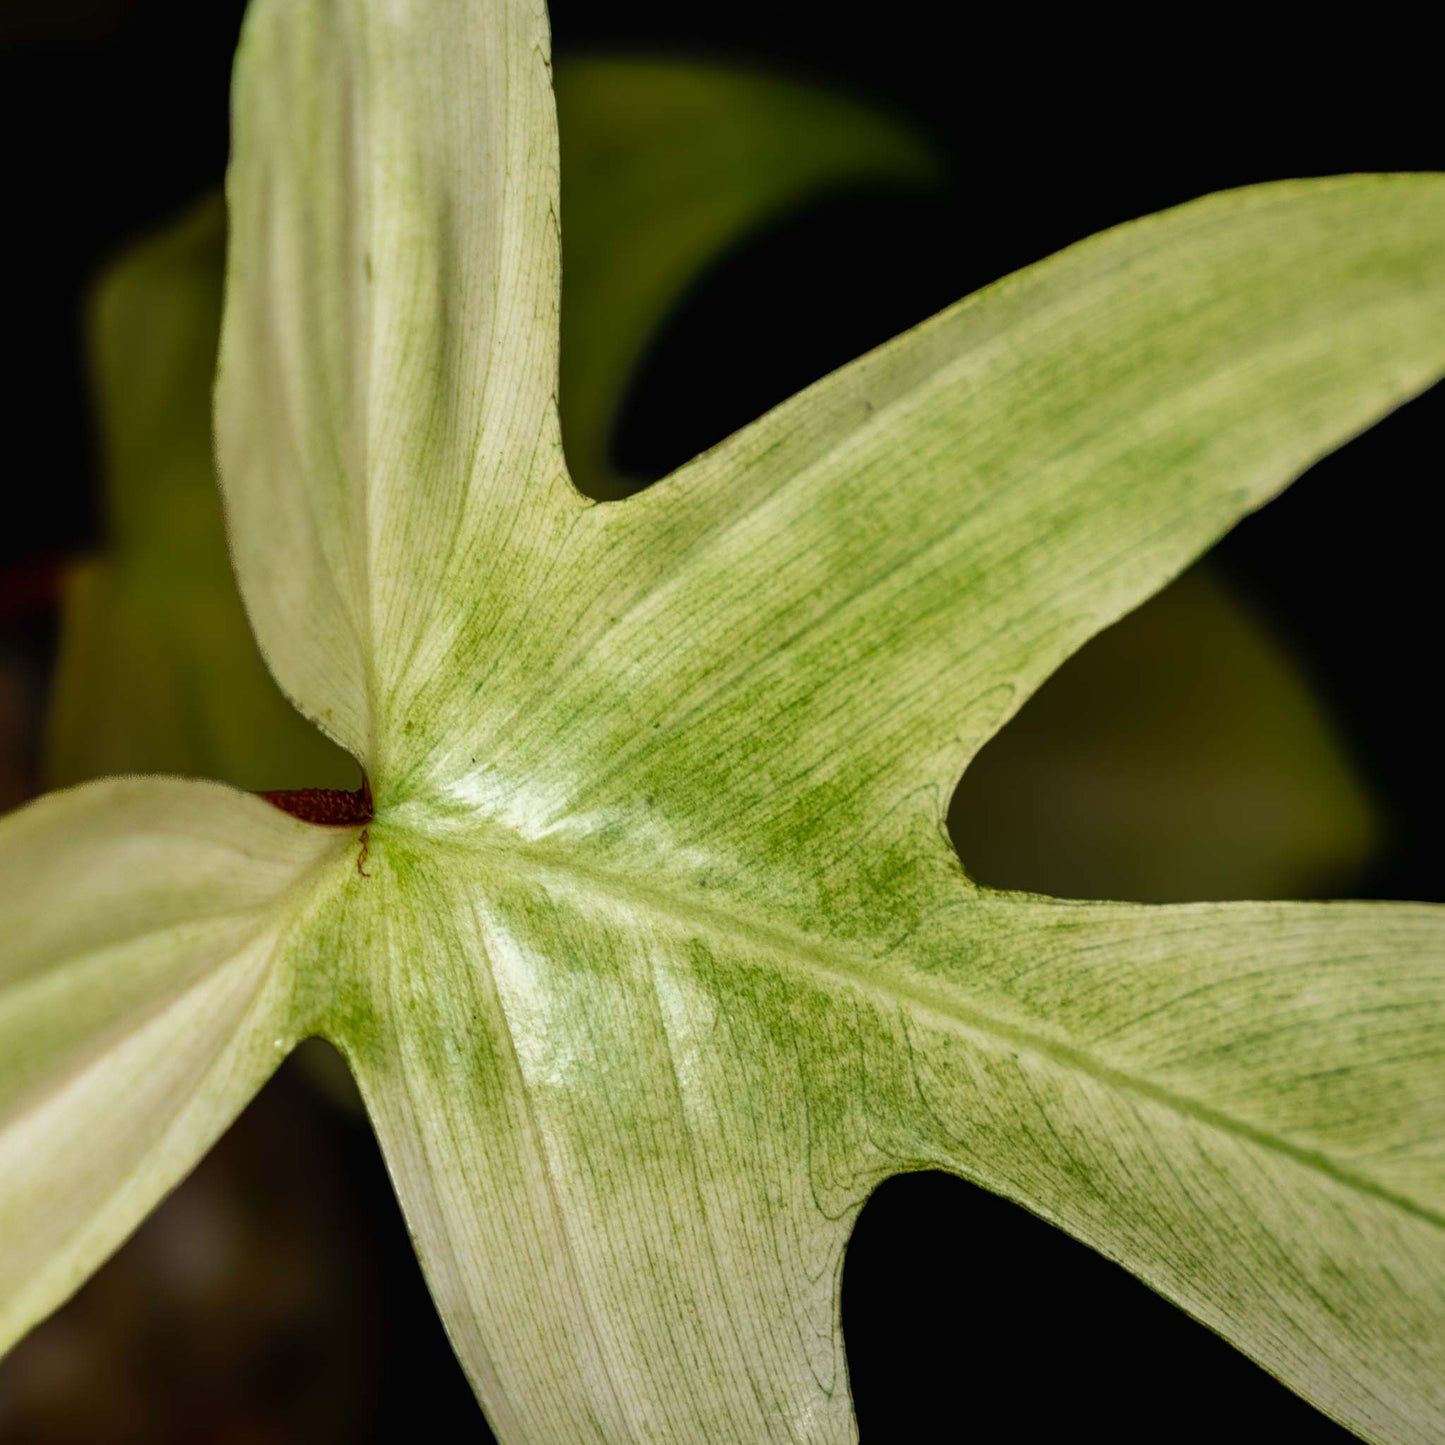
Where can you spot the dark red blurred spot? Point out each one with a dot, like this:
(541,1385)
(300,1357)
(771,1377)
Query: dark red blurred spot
(26,587)
(331,807)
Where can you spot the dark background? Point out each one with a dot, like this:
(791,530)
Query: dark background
(113,114)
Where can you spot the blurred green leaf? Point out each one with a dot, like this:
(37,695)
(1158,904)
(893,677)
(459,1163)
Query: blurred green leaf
(664,165)
(1178,756)
(158,670)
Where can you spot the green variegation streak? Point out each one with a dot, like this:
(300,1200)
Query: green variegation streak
(661,959)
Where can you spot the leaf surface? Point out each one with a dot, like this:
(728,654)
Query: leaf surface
(636,1129)
(661,959)
(820,621)
(387,375)
(1179,755)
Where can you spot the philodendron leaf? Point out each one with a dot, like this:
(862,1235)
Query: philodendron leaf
(1177,756)
(654,958)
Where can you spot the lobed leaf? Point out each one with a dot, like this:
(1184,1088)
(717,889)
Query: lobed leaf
(770,668)
(661,959)
(1178,756)
(706,750)
(633,1128)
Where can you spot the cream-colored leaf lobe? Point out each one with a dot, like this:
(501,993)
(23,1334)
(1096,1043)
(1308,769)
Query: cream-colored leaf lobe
(147,990)
(386,392)
(701,1086)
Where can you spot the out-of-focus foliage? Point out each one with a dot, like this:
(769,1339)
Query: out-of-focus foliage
(666,164)
(1179,755)
(158,671)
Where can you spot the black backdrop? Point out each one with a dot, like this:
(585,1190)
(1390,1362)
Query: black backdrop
(955,1305)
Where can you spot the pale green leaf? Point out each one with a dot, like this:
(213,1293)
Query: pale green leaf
(592,1113)
(664,164)
(689,775)
(1177,756)
(633,1127)
(660,959)
(1242,1102)
(145,996)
